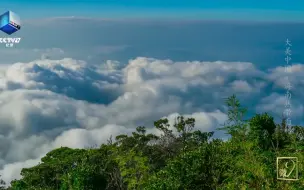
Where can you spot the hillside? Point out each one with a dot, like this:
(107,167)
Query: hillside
(180,158)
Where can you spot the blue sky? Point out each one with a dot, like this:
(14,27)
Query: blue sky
(193,9)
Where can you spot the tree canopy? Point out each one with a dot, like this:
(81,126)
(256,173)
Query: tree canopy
(181,158)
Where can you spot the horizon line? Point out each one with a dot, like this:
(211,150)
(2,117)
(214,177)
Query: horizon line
(165,19)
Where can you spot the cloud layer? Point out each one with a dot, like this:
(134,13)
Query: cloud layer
(46,103)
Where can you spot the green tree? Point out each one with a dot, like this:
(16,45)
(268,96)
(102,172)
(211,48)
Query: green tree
(198,169)
(262,129)
(236,126)
(134,168)
(89,173)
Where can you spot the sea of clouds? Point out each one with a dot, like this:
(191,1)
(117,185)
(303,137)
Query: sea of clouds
(46,104)
(82,88)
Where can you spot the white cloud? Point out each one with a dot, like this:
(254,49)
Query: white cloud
(241,86)
(46,103)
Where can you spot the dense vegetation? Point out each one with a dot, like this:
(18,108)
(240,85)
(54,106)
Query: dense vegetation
(179,159)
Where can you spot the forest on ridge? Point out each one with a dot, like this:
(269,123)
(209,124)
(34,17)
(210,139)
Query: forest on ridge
(182,158)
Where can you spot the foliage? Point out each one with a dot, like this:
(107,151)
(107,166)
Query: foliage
(180,158)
